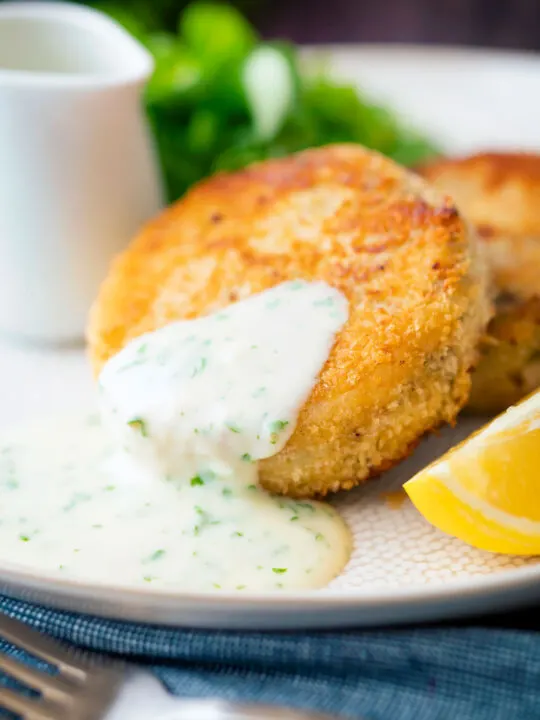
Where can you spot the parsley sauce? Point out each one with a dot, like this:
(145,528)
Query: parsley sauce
(162,490)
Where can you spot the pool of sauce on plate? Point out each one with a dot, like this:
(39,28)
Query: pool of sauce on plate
(161,488)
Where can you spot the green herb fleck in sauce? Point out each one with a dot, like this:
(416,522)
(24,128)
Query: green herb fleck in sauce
(279,571)
(156,555)
(200,367)
(275,428)
(76,500)
(139,425)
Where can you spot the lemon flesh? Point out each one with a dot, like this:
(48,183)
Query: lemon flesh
(486,491)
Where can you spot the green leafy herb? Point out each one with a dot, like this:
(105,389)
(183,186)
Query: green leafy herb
(233,428)
(200,367)
(319,537)
(139,425)
(327,302)
(24,538)
(197,480)
(275,428)
(251,487)
(156,555)
(76,500)
(279,571)
(210,108)
(247,457)
(205,519)
(305,506)
(237,534)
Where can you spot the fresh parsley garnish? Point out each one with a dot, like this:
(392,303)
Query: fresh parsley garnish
(196,480)
(279,571)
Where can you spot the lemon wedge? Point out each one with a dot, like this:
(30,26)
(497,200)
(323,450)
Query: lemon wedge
(486,491)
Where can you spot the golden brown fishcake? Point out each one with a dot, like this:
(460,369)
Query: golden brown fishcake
(400,253)
(509,367)
(500,194)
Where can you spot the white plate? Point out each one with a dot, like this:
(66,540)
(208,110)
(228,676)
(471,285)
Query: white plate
(402,570)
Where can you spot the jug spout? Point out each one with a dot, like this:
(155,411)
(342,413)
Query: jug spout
(67,44)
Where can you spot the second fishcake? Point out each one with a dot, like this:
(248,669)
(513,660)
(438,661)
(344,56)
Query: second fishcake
(500,194)
(400,253)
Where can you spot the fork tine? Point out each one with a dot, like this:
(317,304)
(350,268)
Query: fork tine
(20,635)
(27,708)
(50,686)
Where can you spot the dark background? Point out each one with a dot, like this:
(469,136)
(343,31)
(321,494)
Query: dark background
(491,23)
(488,23)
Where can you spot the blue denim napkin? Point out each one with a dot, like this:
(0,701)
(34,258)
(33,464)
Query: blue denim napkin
(418,674)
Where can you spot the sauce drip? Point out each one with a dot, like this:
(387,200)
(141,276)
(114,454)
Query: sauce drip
(162,489)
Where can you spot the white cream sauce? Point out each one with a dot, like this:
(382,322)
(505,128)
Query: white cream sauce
(163,491)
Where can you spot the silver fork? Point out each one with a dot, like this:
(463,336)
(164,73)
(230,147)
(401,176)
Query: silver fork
(83,689)
(87,685)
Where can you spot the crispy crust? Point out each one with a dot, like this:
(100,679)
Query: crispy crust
(400,253)
(499,191)
(500,194)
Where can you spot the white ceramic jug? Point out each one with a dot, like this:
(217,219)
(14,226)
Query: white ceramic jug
(78,173)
